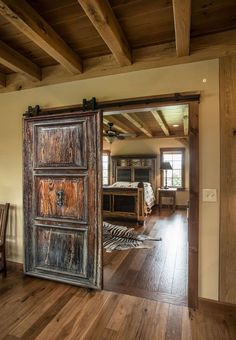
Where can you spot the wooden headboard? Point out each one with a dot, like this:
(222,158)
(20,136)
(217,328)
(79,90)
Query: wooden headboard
(134,168)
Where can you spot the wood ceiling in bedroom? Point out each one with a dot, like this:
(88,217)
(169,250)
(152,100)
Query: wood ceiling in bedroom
(168,121)
(44,42)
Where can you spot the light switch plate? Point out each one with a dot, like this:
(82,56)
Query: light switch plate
(209,195)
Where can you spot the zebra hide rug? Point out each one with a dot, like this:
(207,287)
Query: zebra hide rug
(122,238)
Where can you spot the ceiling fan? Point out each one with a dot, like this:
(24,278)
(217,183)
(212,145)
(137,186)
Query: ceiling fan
(112,134)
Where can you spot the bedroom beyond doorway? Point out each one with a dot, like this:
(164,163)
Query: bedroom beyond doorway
(146,192)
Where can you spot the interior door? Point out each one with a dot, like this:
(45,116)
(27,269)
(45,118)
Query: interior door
(62,198)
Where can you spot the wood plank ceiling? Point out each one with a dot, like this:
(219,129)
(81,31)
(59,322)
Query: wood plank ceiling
(167,121)
(44,42)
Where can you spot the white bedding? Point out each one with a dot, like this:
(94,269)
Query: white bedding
(149,196)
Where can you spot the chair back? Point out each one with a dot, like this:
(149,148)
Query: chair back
(4,210)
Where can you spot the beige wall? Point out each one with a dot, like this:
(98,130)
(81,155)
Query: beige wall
(152,147)
(141,83)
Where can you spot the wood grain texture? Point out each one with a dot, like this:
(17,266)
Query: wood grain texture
(62,198)
(227,275)
(102,17)
(161,121)
(17,62)
(159,273)
(136,122)
(31,308)
(69,153)
(170,116)
(182,21)
(124,204)
(193,239)
(223,43)
(74,201)
(138,20)
(30,23)
(4,212)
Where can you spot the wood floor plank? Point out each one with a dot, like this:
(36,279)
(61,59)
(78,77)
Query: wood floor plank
(34,316)
(174,323)
(22,301)
(149,272)
(41,309)
(74,318)
(96,328)
(36,328)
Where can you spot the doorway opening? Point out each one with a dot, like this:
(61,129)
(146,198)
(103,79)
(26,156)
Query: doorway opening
(148,186)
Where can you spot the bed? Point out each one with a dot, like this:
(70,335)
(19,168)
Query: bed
(132,192)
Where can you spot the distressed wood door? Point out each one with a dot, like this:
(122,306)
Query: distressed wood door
(62,198)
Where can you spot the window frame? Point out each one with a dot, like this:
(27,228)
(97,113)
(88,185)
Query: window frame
(108,153)
(174,150)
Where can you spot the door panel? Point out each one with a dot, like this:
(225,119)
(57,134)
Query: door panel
(62,198)
(60,250)
(60,145)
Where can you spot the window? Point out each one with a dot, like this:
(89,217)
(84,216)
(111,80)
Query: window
(176,176)
(106,167)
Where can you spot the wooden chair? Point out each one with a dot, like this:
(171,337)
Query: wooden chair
(4,210)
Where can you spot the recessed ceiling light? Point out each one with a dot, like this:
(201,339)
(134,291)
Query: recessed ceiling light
(204,80)
(176,125)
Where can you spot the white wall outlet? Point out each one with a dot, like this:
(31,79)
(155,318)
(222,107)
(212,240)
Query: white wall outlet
(209,195)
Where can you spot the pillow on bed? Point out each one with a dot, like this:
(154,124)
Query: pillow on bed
(122,184)
(129,184)
(146,184)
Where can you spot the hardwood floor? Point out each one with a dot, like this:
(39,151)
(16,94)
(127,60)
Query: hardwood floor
(159,273)
(32,308)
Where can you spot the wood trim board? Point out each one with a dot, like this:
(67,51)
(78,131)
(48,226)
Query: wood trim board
(227,257)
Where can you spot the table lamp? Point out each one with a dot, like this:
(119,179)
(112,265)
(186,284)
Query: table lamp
(166,166)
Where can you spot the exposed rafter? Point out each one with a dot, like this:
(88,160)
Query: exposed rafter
(186,123)
(202,48)
(2,80)
(102,17)
(182,21)
(117,124)
(30,23)
(17,62)
(137,124)
(161,121)
(138,120)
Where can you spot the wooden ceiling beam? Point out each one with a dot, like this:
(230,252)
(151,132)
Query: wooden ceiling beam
(137,123)
(161,121)
(30,23)
(202,48)
(103,18)
(17,62)
(117,124)
(2,79)
(182,21)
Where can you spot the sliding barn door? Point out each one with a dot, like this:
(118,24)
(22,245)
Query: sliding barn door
(62,198)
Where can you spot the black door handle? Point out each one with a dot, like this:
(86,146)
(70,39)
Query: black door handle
(60,198)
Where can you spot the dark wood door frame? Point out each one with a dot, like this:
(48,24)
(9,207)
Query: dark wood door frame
(193,224)
(146,103)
